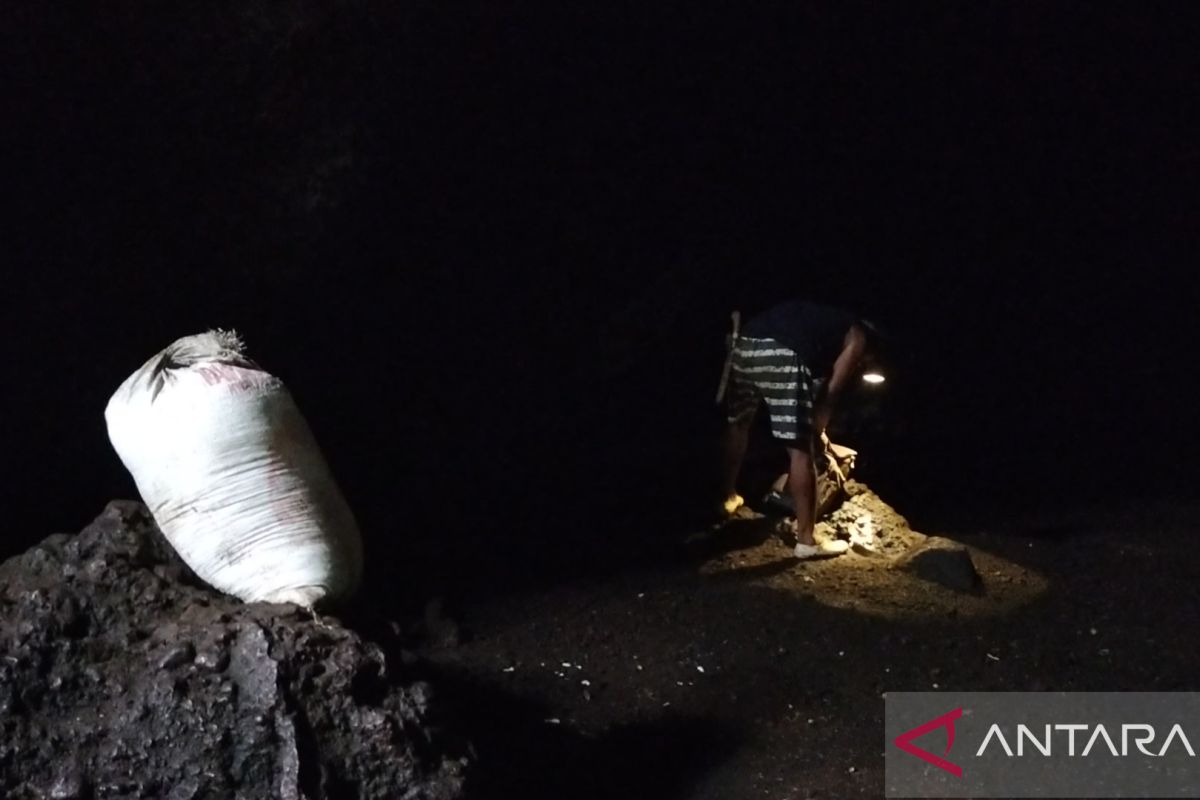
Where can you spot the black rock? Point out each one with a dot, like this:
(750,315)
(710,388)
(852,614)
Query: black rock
(122,676)
(943,561)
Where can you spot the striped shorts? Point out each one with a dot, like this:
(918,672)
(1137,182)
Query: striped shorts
(764,370)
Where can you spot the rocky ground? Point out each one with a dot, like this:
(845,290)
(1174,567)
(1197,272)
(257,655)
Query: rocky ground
(733,670)
(722,667)
(121,676)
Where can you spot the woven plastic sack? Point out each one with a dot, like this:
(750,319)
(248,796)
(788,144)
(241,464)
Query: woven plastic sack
(231,471)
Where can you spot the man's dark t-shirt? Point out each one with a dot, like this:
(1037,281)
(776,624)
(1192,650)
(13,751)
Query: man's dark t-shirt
(815,332)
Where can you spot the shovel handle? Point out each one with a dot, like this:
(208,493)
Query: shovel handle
(730,344)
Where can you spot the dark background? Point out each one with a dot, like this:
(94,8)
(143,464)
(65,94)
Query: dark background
(492,247)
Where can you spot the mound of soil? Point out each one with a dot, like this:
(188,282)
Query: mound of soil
(888,583)
(121,676)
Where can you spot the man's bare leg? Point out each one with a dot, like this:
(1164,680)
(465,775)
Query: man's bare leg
(802,480)
(737,438)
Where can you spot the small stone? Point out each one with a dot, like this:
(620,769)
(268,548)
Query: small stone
(69,785)
(216,660)
(185,790)
(178,655)
(945,562)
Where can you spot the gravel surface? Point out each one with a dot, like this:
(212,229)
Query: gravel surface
(737,671)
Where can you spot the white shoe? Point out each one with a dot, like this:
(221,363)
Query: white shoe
(828,549)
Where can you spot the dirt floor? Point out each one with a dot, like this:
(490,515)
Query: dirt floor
(735,670)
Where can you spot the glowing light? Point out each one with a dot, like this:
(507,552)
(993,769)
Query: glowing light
(873,377)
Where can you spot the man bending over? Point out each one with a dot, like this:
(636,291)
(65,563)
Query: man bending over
(798,358)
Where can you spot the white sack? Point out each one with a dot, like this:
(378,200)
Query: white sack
(233,476)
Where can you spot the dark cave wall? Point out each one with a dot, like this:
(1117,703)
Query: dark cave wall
(493,250)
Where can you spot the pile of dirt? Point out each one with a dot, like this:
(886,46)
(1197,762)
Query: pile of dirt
(908,574)
(121,676)
(890,533)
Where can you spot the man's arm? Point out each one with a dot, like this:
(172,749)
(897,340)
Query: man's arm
(844,368)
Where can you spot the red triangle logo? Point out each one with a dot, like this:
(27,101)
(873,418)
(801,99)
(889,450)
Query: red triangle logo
(904,741)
